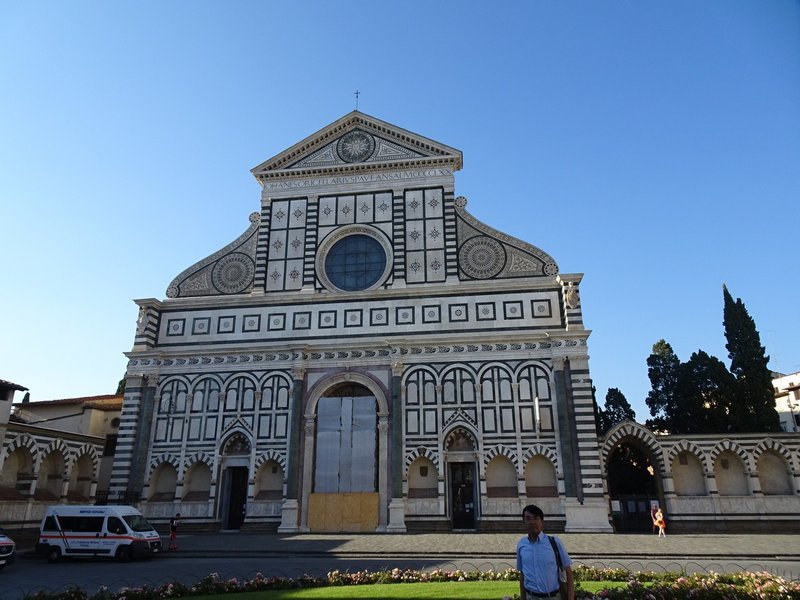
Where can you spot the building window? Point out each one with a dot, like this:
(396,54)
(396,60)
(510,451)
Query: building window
(355,263)
(111,445)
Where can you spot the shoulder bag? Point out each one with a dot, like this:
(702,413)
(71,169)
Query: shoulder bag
(562,574)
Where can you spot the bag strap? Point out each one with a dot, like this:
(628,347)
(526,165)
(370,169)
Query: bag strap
(557,553)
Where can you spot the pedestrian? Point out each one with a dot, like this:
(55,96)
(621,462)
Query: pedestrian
(173,532)
(661,523)
(545,567)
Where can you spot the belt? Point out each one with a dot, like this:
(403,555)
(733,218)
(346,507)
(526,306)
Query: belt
(552,594)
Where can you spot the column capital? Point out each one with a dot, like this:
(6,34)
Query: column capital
(298,371)
(397,368)
(309,424)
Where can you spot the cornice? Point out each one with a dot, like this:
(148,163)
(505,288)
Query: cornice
(318,356)
(350,168)
(421,291)
(37,430)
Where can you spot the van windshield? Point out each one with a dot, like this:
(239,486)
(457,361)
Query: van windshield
(137,523)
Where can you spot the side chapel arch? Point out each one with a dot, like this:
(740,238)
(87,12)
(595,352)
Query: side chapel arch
(633,462)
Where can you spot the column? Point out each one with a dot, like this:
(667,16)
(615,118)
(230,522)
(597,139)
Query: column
(127,473)
(584,512)
(397,510)
(141,444)
(566,437)
(289,510)
(383,470)
(309,430)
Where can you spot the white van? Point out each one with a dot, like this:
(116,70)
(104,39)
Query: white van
(115,531)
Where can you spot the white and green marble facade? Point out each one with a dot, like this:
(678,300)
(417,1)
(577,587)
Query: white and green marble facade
(470,341)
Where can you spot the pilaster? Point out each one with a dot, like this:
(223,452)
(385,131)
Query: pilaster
(291,506)
(397,523)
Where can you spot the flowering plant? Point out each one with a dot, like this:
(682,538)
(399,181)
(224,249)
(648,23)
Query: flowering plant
(640,585)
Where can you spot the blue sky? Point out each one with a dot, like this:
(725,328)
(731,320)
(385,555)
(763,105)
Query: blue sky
(653,146)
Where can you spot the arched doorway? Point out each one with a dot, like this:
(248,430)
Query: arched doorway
(345,473)
(235,463)
(460,454)
(633,485)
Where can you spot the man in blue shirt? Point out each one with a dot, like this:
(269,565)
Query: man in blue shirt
(536,561)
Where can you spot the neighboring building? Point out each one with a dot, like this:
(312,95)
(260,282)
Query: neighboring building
(787,400)
(56,451)
(737,482)
(7,391)
(366,356)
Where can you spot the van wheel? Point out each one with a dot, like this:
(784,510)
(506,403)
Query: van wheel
(53,554)
(124,553)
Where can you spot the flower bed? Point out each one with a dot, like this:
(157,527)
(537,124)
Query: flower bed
(641,585)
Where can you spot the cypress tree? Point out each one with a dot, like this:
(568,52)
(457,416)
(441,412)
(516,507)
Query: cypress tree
(703,395)
(662,369)
(599,415)
(617,409)
(752,406)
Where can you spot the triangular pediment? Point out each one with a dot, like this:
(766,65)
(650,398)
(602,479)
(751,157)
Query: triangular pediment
(355,142)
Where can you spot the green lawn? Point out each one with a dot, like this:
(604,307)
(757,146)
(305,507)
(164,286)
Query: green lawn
(466,590)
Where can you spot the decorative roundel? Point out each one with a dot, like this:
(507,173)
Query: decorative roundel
(551,269)
(481,257)
(461,202)
(356,146)
(233,273)
(172,291)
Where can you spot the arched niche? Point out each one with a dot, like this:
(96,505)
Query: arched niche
(162,483)
(197,483)
(688,475)
(269,481)
(774,474)
(731,475)
(423,478)
(16,476)
(80,479)
(540,478)
(501,478)
(51,477)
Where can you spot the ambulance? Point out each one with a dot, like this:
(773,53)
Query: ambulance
(119,532)
(7,548)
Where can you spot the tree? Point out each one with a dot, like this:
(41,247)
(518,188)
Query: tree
(121,386)
(617,409)
(662,369)
(753,401)
(599,415)
(703,396)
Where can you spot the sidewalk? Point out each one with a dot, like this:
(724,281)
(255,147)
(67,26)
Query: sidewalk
(501,545)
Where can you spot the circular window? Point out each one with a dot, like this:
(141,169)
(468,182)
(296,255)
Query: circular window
(356,262)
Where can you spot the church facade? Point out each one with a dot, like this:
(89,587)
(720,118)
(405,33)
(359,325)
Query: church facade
(366,356)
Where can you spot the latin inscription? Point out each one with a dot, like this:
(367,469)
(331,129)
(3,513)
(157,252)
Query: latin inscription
(351,179)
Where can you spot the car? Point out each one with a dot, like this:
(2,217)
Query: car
(7,550)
